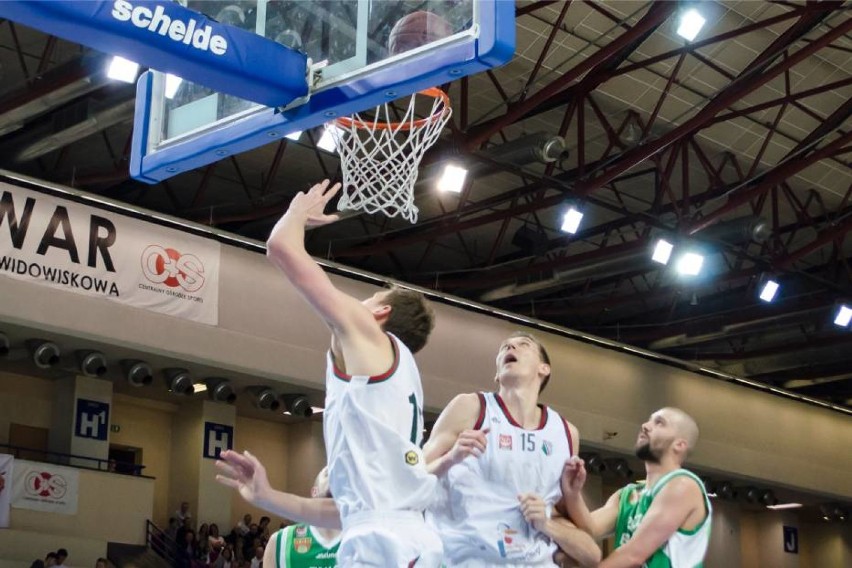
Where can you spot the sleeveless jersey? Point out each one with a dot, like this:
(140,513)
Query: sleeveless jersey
(684,549)
(373,429)
(478,514)
(297,546)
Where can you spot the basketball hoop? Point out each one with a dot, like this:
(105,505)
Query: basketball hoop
(380,156)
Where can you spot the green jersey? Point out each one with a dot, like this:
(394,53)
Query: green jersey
(298,546)
(684,549)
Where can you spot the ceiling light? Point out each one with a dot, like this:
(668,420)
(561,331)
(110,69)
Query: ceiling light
(45,354)
(690,23)
(689,264)
(662,251)
(294,135)
(452,179)
(328,140)
(571,220)
(172,84)
(769,290)
(137,373)
(199,387)
(264,398)
(844,316)
(297,405)
(317,409)
(782,506)
(122,69)
(179,381)
(220,390)
(92,363)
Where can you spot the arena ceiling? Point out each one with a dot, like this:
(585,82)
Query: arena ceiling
(738,142)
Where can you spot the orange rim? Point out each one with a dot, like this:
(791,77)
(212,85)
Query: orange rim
(433,92)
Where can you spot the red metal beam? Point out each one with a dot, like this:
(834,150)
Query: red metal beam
(655,16)
(824,238)
(767,181)
(745,83)
(786,99)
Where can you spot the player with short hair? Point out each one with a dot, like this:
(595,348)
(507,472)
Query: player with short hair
(500,458)
(301,545)
(663,522)
(373,419)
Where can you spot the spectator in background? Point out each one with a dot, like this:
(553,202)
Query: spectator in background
(187,547)
(61,557)
(257,559)
(37,564)
(263,529)
(183,515)
(243,526)
(50,559)
(215,543)
(101,563)
(226,559)
(172,530)
(203,542)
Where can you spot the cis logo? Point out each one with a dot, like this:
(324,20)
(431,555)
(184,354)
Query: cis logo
(44,484)
(167,266)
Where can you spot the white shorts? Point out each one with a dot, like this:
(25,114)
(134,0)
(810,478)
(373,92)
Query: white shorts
(389,538)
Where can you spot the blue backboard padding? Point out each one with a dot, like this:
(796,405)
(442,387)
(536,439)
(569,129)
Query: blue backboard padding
(241,68)
(494,47)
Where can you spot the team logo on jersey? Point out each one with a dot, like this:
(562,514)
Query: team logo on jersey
(302,545)
(301,531)
(547,447)
(505,442)
(411,457)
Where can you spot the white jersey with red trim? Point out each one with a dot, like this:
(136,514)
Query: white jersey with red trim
(373,429)
(478,516)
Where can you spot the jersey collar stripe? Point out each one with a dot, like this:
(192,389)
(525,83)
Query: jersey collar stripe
(568,435)
(514,422)
(481,417)
(375,378)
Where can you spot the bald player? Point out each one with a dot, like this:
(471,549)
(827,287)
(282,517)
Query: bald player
(663,522)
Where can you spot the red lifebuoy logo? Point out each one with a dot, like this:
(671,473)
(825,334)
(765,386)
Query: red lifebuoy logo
(46,484)
(167,266)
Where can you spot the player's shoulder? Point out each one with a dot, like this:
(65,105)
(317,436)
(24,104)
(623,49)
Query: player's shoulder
(682,485)
(466,408)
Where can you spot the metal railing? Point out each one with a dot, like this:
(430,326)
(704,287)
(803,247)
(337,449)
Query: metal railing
(72,460)
(161,543)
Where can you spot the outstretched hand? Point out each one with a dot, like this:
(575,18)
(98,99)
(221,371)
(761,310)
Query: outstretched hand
(311,204)
(573,477)
(246,474)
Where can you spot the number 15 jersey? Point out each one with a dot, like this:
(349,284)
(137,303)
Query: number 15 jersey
(478,515)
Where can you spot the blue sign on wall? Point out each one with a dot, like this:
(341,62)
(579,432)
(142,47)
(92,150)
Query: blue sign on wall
(92,419)
(791,540)
(217,439)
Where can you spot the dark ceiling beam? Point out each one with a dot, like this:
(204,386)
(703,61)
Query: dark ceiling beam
(533,6)
(656,15)
(770,179)
(757,74)
(839,390)
(826,237)
(809,371)
(785,349)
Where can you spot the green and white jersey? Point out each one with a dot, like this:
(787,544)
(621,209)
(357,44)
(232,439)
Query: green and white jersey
(298,546)
(685,549)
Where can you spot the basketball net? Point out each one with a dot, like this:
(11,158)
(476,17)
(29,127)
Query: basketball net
(380,155)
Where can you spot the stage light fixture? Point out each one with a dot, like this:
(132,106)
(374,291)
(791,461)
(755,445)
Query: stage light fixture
(571,220)
(769,290)
(264,398)
(690,23)
(452,179)
(92,363)
(294,136)
(123,70)
(45,354)
(594,463)
(328,140)
(220,390)
(620,467)
(137,373)
(726,490)
(662,251)
(843,316)
(179,381)
(297,405)
(172,85)
(690,263)
(782,506)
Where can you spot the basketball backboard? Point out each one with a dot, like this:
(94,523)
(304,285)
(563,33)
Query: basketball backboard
(361,53)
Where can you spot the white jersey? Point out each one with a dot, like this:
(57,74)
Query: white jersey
(479,516)
(373,429)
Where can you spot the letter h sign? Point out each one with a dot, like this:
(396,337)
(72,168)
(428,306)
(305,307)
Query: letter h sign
(92,419)
(217,439)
